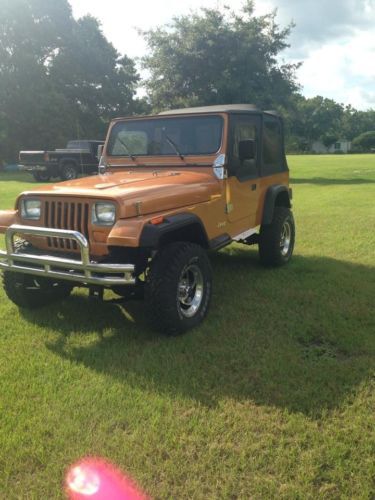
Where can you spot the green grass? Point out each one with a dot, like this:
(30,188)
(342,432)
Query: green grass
(273,396)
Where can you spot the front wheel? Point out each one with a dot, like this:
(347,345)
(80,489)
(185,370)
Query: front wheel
(31,292)
(178,287)
(276,240)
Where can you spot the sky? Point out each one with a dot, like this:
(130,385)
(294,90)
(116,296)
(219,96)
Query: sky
(335,39)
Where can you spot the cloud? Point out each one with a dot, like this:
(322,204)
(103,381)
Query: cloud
(320,20)
(342,70)
(335,41)
(333,38)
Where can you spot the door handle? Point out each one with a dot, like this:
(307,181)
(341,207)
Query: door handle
(253,187)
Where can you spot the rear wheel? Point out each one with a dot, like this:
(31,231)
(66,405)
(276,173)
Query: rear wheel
(276,240)
(178,287)
(68,172)
(31,292)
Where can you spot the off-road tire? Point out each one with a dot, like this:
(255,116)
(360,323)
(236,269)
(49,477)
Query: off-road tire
(163,287)
(31,292)
(41,176)
(68,171)
(272,252)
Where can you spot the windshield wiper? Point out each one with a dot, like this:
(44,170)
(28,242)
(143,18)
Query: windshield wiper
(173,144)
(130,154)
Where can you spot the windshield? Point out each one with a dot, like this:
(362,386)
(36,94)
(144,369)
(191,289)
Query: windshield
(193,135)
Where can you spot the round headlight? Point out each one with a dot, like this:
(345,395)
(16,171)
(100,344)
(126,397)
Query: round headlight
(104,214)
(31,209)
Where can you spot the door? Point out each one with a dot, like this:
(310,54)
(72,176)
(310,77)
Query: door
(242,191)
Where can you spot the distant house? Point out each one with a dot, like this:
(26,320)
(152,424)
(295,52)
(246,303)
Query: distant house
(342,146)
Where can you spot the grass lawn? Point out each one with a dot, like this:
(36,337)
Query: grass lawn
(273,396)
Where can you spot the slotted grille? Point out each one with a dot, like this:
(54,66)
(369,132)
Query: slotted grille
(66,215)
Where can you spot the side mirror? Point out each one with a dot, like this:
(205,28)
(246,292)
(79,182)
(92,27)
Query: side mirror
(100,151)
(247,149)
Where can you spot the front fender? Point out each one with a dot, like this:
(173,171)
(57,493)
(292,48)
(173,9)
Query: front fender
(126,232)
(182,226)
(139,232)
(7,218)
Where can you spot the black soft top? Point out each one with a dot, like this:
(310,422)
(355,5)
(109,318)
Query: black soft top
(222,108)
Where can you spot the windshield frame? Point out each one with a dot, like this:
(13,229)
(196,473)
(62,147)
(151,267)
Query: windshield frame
(144,157)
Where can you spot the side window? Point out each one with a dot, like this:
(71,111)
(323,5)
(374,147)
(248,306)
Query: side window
(78,145)
(272,146)
(243,128)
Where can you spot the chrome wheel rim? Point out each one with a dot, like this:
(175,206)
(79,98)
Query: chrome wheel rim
(190,290)
(286,238)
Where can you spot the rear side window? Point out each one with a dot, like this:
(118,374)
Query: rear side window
(78,145)
(272,146)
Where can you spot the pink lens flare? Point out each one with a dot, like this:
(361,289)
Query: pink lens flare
(96,479)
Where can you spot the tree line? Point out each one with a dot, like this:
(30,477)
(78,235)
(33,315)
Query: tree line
(61,79)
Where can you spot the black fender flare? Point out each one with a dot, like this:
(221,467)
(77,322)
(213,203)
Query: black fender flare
(183,226)
(272,194)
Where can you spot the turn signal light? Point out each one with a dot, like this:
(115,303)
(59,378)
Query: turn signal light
(157,220)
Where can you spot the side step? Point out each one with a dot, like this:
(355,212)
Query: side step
(251,240)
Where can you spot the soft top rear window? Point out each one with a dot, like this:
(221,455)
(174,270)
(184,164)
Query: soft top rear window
(189,135)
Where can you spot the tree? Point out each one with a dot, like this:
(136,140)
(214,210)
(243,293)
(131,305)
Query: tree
(98,82)
(365,142)
(316,119)
(357,122)
(59,78)
(215,57)
(30,33)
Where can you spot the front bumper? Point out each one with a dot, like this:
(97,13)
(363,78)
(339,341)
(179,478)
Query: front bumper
(82,271)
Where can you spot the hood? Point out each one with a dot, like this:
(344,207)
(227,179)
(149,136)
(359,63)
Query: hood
(139,192)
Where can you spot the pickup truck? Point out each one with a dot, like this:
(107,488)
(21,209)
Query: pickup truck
(79,157)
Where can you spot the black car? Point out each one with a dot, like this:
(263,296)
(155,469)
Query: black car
(79,157)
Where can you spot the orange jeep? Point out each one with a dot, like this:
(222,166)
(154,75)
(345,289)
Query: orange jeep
(169,188)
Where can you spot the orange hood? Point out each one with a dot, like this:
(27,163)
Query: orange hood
(141,191)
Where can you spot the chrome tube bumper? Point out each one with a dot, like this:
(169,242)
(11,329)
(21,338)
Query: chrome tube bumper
(80,271)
